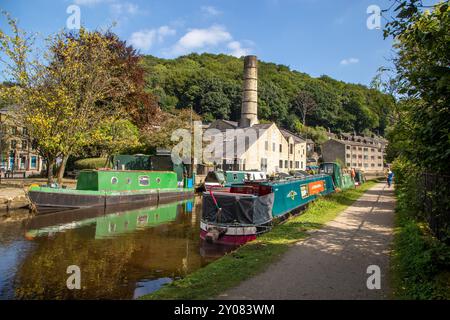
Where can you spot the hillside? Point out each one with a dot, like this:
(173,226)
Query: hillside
(212,85)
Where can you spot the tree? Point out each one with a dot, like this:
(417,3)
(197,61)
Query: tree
(159,136)
(304,104)
(422,43)
(86,78)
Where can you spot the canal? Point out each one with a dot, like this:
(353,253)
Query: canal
(122,254)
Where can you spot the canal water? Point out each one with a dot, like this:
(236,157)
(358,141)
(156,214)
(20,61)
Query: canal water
(121,255)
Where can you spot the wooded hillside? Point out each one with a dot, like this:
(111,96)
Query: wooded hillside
(212,85)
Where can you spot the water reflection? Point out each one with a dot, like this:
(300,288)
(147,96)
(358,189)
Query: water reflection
(122,255)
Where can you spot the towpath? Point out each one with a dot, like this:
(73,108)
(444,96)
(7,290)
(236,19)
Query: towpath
(333,262)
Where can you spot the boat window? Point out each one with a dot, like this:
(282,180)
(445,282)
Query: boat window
(143,181)
(327,168)
(211,177)
(114,180)
(235,176)
(128,180)
(158,180)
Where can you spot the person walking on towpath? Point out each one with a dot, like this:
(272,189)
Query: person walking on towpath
(390,176)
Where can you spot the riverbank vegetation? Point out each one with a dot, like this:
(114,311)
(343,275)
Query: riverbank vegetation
(419,147)
(255,256)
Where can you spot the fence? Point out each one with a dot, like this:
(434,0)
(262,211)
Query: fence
(435,200)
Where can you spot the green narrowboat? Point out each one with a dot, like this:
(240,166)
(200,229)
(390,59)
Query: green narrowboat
(341,180)
(112,187)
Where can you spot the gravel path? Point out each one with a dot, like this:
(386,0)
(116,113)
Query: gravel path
(332,263)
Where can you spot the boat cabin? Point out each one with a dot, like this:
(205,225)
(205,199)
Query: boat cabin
(126,180)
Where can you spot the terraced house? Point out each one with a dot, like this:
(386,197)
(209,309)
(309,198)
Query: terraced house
(17,154)
(359,152)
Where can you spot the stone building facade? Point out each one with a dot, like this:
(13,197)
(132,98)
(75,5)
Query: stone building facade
(17,154)
(359,152)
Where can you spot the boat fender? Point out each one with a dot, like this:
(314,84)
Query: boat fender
(214,234)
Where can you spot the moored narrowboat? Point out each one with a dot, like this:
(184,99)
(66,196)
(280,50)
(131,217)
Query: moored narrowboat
(112,187)
(341,179)
(223,180)
(248,209)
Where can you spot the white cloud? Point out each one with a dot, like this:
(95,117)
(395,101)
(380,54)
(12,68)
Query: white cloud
(196,39)
(210,11)
(89,2)
(125,7)
(144,39)
(348,61)
(237,50)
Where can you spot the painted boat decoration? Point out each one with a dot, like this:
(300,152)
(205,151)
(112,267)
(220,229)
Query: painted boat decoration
(105,188)
(248,209)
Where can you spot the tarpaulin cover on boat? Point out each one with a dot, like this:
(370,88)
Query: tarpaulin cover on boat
(241,208)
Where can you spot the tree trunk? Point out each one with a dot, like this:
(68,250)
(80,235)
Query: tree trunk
(62,168)
(50,164)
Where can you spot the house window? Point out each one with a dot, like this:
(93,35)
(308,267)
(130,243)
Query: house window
(273,147)
(285,163)
(348,164)
(14,131)
(291,164)
(281,164)
(13,144)
(24,144)
(264,163)
(144,181)
(348,155)
(291,146)
(281,147)
(266,145)
(302,165)
(348,147)
(297,164)
(33,164)
(25,131)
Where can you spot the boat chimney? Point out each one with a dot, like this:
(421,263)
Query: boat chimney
(249,109)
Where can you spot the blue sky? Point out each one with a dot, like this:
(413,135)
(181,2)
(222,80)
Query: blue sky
(313,36)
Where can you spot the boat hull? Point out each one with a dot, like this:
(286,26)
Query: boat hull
(234,235)
(46,202)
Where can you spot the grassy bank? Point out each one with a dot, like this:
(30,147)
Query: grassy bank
(420,263)
(254,257)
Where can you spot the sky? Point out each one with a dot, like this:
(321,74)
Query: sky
(318,37)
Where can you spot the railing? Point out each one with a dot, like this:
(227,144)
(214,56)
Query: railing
(435,199)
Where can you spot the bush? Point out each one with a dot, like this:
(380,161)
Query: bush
(91,163)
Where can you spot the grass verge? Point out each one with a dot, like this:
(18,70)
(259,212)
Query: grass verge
(420,265)
(255,256)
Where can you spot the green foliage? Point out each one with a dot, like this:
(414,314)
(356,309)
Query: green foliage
(317,134)
(423,42)
(212,86)
(92,163)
